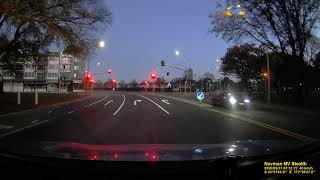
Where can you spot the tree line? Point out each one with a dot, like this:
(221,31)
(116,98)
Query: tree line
(285,30)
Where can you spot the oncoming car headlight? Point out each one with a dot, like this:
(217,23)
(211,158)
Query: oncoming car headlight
(232,100)
(247,101)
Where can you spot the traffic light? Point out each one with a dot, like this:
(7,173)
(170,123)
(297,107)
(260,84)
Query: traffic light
(88,77)
(153,76)
(163,63)
(113,81)
(109,71)
(167,73)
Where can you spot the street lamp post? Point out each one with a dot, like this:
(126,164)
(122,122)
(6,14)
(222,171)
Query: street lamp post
(269,77)
(177,53)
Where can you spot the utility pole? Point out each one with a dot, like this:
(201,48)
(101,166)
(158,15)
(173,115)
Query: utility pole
(269,77)
(185,74)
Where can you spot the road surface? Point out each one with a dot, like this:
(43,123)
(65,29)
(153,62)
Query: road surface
(142,118)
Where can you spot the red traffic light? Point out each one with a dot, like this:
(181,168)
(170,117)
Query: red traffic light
(88,77)
(109,71)
(153,76)
(113,81)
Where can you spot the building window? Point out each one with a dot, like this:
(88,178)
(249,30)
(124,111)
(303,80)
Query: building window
(28,66)
(76,67)
(29,74)
(67,67)
(41,75)
(52,75)
(53,66)
(74,75)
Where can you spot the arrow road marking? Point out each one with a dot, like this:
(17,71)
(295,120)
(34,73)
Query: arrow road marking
(96,102)
(165,101)
(124,99)
(70,112)
(108,102)
(135,101)
(155,104)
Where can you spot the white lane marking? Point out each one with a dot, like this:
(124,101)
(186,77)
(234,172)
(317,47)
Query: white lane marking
(155,104)
(108,102)
(124,99)
(34,121)
(135,101)
(70,112)
(21,129)
(96,102)
(165,101)
(2,126)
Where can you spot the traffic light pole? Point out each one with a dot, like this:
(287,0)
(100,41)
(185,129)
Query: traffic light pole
(184,70)
(185,75)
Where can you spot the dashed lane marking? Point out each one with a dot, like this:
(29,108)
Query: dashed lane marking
(124,99)
(2,126)
(96,102)
(21,129)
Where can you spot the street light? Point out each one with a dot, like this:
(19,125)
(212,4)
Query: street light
(101,44)
(177,52)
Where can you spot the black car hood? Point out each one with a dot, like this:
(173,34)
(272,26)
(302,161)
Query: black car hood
(149,152)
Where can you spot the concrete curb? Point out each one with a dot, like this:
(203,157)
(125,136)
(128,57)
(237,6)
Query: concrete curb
(202,105)
(43,107)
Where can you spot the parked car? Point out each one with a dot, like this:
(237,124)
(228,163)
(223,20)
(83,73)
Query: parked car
(231,99)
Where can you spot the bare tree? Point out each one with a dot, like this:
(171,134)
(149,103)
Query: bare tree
(29,28)
(281,25)
(208,75)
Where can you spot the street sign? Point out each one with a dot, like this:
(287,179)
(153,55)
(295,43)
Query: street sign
(200,96)
(169,85)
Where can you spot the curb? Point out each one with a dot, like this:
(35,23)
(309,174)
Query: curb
(202,104)
(43,107)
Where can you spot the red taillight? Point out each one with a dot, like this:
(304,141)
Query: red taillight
(153,157)
(93,157)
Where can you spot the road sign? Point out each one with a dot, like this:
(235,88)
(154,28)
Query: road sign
(200,96)
(169,85)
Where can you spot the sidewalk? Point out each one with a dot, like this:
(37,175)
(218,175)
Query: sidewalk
(8,103)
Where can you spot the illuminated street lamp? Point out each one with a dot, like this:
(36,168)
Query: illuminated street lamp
(242,13)
(101,44)
(177,52)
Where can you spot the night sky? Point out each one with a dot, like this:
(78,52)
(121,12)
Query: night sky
(145,31)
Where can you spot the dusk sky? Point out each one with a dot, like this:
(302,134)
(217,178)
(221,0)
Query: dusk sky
(145,31)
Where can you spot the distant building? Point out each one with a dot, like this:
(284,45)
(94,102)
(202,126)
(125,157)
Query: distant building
(54,73)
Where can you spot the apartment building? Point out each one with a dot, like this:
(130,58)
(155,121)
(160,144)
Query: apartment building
(57,72)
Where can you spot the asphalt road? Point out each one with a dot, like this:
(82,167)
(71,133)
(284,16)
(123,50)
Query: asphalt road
(141,118)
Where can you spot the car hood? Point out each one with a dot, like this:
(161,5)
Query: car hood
(149,152)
